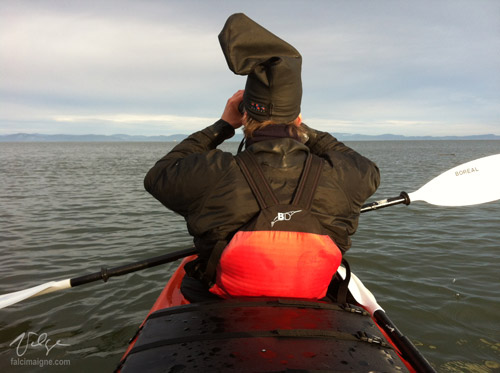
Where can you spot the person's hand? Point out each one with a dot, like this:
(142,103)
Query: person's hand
(231,113)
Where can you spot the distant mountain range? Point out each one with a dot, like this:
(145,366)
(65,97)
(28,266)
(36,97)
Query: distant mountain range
(35,137)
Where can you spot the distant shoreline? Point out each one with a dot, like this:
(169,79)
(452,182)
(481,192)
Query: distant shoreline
(36,137)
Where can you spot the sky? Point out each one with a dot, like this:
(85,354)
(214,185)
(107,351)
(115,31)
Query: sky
(414,68)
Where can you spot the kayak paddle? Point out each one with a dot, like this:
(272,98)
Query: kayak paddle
(470,183)
(104,274)
(365,298)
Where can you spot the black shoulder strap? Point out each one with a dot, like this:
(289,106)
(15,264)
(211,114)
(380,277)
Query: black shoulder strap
(344,285)
(304,194)
(256,179)
(263,192)
(208,275)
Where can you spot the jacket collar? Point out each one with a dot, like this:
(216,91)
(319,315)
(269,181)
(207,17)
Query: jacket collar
(271,132)
(280,152)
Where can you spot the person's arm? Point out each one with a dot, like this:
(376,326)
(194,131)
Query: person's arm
(361,175)
(182,175)
(180,178)
(320,142)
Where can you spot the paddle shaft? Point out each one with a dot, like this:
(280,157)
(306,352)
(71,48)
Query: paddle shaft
(407,349)
(402,198)
(105,273)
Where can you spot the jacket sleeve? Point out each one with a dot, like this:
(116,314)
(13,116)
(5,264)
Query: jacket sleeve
(181,178)
(360,175)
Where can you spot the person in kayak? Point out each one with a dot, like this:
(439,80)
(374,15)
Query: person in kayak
(218,193)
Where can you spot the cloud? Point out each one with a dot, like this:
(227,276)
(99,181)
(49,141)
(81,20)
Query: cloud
(65,53)
(150,124)
(364,62)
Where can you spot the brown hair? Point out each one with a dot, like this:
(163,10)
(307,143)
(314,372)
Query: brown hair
(251,125)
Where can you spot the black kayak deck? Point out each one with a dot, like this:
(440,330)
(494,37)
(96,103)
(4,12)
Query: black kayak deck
(261,335)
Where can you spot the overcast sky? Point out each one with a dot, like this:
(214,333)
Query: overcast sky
(156,67)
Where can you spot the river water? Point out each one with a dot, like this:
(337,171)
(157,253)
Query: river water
(67,209)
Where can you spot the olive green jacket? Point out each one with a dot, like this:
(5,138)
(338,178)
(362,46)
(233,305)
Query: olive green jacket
(205,185)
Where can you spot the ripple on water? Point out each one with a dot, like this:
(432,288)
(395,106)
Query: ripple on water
(68,209)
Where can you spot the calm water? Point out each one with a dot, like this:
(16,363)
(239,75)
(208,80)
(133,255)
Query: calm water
(67,209)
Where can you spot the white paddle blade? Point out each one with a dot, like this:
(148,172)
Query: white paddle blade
(18,296)
(471,183)
(360,293)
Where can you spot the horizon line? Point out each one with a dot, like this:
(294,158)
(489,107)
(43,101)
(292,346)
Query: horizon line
(239,136)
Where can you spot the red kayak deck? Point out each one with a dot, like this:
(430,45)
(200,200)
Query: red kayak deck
(170,296)
(257,335)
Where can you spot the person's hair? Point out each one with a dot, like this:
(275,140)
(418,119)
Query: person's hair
(251,125)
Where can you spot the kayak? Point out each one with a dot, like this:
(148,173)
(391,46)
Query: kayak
(268,335)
